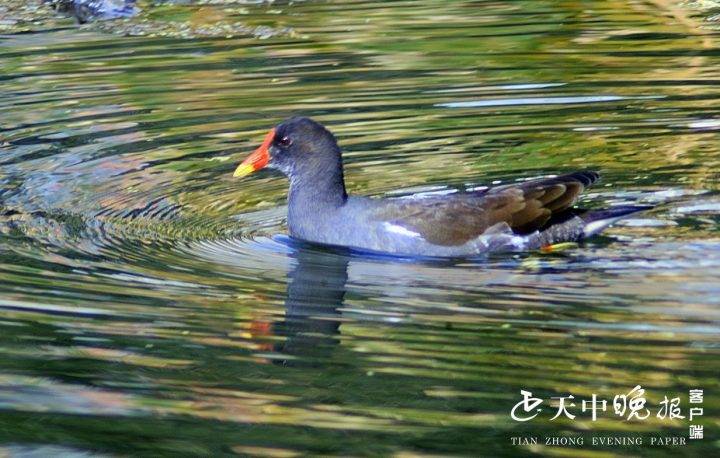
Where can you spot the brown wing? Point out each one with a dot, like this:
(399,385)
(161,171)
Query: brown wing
(457,219)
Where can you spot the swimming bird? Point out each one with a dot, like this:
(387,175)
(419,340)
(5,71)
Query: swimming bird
(521,216)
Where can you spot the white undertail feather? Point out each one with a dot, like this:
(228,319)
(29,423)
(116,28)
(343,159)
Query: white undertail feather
(598,226)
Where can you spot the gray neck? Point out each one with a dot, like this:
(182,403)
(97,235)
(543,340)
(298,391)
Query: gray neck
(314,196)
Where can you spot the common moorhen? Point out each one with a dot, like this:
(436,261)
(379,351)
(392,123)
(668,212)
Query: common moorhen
(523,216)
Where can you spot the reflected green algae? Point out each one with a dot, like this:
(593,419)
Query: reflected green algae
(149,307)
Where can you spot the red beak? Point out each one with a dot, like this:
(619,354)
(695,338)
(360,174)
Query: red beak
(258,159)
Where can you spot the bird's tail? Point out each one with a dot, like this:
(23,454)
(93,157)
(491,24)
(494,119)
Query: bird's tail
(598,220)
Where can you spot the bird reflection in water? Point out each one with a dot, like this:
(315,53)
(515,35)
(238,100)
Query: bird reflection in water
(315,292)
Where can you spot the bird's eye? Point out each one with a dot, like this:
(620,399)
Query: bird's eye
(285,141)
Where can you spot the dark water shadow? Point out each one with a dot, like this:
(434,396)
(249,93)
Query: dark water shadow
(316,290)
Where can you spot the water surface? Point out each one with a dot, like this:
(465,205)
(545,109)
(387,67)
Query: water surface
(152,305)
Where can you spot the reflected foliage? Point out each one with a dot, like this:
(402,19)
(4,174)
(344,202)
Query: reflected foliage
(150,304)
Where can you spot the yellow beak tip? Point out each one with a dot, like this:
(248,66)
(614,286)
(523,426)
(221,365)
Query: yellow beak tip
(243,170)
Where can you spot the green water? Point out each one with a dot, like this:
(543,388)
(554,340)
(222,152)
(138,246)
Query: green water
(151,305)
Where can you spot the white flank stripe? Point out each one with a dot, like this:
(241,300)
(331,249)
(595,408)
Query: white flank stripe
(390,227)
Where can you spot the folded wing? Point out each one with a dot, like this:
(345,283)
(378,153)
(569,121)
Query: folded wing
(524,207)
